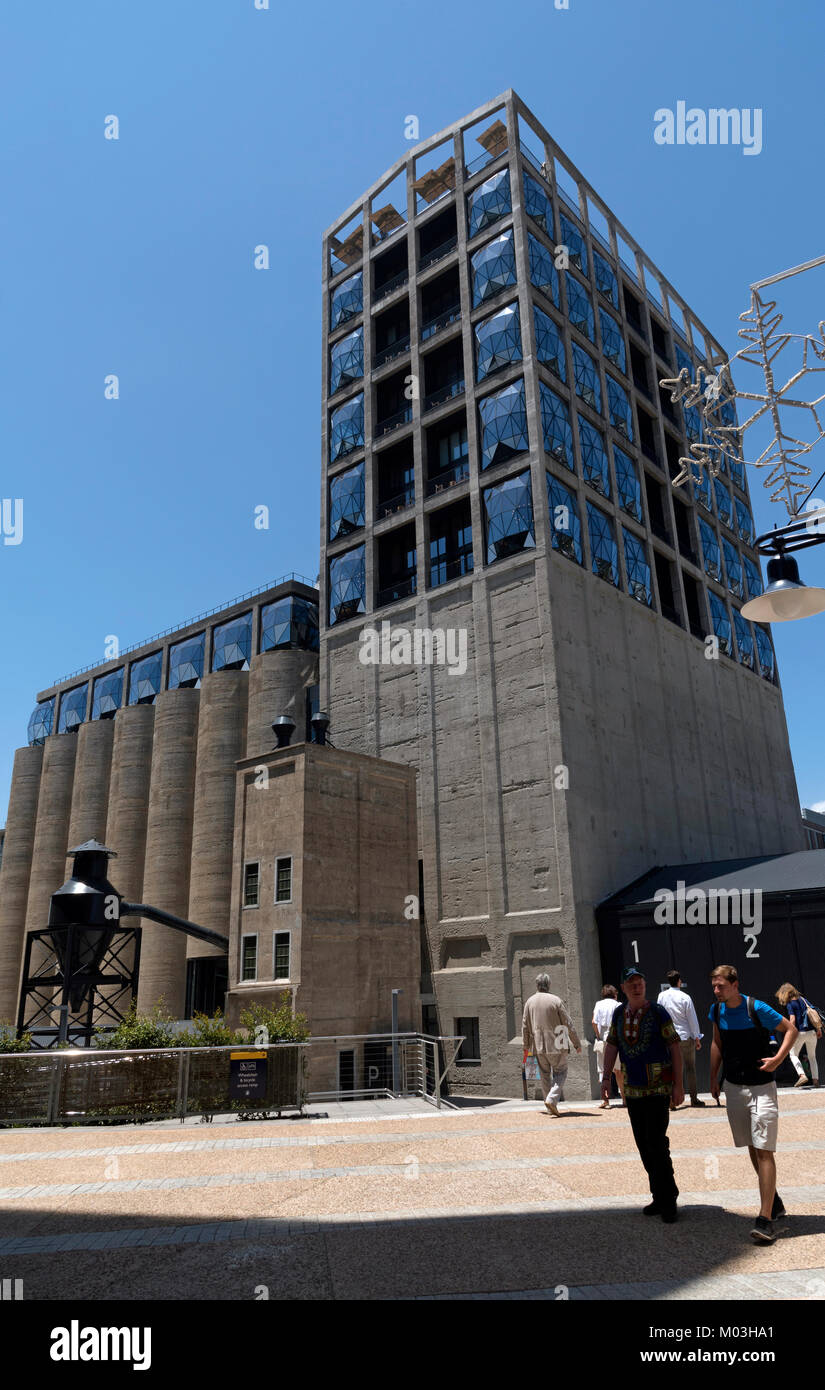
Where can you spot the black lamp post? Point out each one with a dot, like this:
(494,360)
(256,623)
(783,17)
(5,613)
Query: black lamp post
(786,597)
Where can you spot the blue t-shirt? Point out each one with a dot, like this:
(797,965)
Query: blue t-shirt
(798,1013)
(737,1018)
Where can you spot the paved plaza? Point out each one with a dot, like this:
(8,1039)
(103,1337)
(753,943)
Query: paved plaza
(395,1200)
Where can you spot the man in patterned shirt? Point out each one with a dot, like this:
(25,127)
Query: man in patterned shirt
(644,1036)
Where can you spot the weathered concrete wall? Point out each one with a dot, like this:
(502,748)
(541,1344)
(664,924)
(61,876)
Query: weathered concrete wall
(90,794)
(277,682)
(221,742)
(129,797)
(51,836)
(169,848)
(18,847)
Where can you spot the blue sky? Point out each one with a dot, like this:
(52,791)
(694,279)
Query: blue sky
(241,126)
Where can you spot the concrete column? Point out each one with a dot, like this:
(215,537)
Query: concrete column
(51,836)
(169,848)
(90,794)
(16,871)
(276,686)
(221,743)
(129,797)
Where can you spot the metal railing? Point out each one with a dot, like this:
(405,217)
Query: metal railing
(405,588)
(96,1086)
(537,164)
(198,618)
(394,422)
(444,394)
(398,503)
(438,253)
(390,286)
(389,353)
(442,571)
(449,477)
(443,320)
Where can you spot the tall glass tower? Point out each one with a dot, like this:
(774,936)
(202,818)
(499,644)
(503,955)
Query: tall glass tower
(498,460)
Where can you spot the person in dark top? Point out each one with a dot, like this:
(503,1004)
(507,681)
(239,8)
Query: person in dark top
(646,1041)
(741,1044)
(790,999)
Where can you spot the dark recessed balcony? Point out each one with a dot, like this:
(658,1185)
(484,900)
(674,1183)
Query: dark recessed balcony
(391,286)
(451,315)
(649,450)
(395,504)
(443,394)
(442,571)
(393,422)
(671,615)
(438,253)
(403,588)
(660,531)
(450,477)
(389,353)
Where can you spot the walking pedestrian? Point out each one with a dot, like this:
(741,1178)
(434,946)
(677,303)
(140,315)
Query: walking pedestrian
(681,1008)
(547,1031)
(741,1045)
(603,1011)
(644,1036)
(809,1035)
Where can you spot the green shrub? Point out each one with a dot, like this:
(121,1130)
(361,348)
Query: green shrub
(210,1032)
(9,1041)
(141,1030)
(280,1022)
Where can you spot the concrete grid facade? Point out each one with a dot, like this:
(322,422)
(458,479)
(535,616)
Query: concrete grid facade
(590,737)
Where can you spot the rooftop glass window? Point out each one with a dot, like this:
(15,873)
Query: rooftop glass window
(618,408)
(232,644)
(580,307)
(549,343)
(612,340)
(346,432)
(586,374)
(744,522)
(144,679)
(603,551)
(346,246)
(565,522)
(594,458)
(701,489)
(40,723)
(186,663)
(347,300)
(720,619)
(346,501)
(503,420)
(606,282)
(710,550)
(723,502)
(493,267)
(509,511)
(498,341)
(289,622)
(543,273)
(346,361)
(537,205)
(107,695)
(347,585)
(752,577)
(733,569)
(764,646)
(73,708)
(744,640)
(627,483)
(574,241)
(489,202)
(638,568)
(556,428)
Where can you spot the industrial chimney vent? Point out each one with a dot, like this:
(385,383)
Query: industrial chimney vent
(320,725)
(283,728)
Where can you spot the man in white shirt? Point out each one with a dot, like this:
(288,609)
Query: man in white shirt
(603,1011)
(681,1009)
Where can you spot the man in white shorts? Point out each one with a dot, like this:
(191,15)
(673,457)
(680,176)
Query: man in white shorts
(741,1045)
(603,1011)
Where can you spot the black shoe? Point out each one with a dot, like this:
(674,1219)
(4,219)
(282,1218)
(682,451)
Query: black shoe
(669,1215)
(700,1103)
(653,1210)
(778,1212)
(762,1231)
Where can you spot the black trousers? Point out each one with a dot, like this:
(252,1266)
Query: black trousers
(649,1118)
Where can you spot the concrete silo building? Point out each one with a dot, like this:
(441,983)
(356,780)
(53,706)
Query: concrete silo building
(497,465)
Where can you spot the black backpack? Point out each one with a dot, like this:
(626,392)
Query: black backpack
(766,1046)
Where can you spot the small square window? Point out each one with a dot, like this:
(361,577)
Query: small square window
(251,885)
(283,880)
(249,958)
(470,1050)
(281,945)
